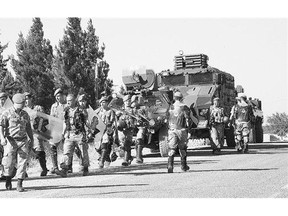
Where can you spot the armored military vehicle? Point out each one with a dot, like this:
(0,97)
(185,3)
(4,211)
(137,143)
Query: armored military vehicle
(198,82)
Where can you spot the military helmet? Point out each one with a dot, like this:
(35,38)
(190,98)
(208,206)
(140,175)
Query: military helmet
(134,98)
(178,94)
(3,94)
(18,98)
(216,99)
(242,95)
(104,98)
(58,91)
(82,97)
(27,94)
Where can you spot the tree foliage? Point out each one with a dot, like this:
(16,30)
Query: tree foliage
(79,62)
(278,124)
(34,63)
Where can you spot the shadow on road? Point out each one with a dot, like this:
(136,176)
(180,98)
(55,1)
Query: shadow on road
(229,170)
(57,187)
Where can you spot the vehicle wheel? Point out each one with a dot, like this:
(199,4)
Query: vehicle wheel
(163,141)
(252,135)
(230,139)
(259,132)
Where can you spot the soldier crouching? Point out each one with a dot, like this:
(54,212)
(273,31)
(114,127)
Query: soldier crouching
(179,123)
(14,128)
(74,135)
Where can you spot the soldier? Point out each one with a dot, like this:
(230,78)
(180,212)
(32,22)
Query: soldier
(243,115)
(57,110)
(216,122)
(75,135)
(179,122)
(14,128)
(38,147)
(3,97)
(107,115)
(141,124)
(126,125)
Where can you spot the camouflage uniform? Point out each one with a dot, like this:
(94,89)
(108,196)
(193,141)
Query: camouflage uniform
(38,146)
(126,133)
(75,135)
(14,127)
(109,136)
(57,110)
(243,115)
(141,125)
(216,122)
(179,122)
(3,97)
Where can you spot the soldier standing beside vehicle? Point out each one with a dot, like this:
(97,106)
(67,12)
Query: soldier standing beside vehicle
(141,124)
(75,135)
(179,123)
(57,110)
(108,117)
(216,122)
(3,97)
(14,128)
(126,125)
(242,114)
(38,146)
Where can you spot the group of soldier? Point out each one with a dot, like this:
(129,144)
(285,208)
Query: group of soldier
(18,139)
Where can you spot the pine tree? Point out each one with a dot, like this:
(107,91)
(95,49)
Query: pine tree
(78,56)
(3,63)
(278,124)
(34,64)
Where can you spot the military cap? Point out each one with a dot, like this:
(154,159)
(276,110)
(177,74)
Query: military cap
(27,94)
(59,90)
(70,96)
(3,94)
(82,97)
(216,98)
(126,97)
(242,95)
(18,98)
(178,94)
(104,98)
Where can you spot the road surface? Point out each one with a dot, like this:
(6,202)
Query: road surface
(263,173)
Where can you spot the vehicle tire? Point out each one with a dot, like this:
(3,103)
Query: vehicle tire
(230,139)
(252,135)
(259,132)
(163,141)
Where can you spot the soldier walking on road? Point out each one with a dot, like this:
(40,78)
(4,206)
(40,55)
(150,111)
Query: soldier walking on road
(3,97)
(38,146)
(126,126)
(141,124)
(243,115)
(14,128)
(216,122)
(57,110)
(179,124)
(75,135)
(107,116)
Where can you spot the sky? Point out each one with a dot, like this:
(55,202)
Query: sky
(247,38)
(252,49)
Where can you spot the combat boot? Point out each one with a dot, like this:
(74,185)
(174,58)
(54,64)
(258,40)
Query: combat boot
(8,184)
(70,169)
(85,171)
(127,158)
(184,166)
(170,164)
(19,185)
(42,161)
(102,158)
(139,157)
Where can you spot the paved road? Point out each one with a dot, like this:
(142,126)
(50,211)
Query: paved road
(260,174)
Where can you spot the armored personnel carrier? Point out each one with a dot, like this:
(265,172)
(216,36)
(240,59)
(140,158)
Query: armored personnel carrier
(199,83)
